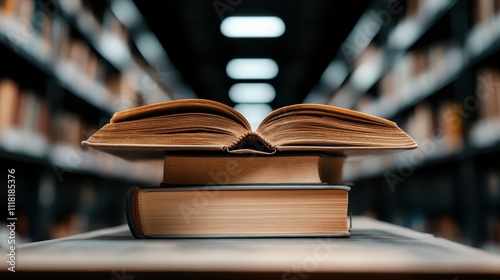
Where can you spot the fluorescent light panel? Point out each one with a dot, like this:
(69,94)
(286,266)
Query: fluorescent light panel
(252,93)
(251,27)
(252,68)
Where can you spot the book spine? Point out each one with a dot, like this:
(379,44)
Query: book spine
(132,212)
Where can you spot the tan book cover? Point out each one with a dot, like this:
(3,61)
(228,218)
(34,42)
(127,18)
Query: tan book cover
(238,211)
(213,169)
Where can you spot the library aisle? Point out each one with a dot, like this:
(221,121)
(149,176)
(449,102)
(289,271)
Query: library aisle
(430,66)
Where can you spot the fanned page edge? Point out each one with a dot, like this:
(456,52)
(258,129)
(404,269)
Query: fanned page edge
(345,150)
(181,106)
(142,151)
(324,108)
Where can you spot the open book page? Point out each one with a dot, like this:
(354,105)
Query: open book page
(201,125)
(179,107)
(322,125)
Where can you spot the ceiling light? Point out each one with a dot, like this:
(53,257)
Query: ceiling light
(237,27)
(254,113)
(252,93)
(252,68)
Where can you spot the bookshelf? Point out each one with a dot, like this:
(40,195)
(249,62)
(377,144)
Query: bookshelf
(433,69)
(71,65)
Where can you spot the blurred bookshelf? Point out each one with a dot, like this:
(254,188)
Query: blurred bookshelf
(67,67)
(433,68)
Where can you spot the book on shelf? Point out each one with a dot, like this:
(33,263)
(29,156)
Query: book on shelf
(238,210)
(284,178)
(24,118)
(9,95)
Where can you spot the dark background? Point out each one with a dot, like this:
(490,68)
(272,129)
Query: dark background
(430,66)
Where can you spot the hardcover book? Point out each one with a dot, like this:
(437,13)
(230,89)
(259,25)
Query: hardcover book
(238,211)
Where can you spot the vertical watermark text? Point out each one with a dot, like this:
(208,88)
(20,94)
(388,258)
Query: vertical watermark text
(11,219)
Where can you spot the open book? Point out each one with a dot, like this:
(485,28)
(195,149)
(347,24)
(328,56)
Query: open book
(197,125)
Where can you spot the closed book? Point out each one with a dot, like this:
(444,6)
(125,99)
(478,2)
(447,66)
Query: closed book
(238,211)
(216,169)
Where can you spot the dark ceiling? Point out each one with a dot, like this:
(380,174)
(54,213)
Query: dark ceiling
(189,30)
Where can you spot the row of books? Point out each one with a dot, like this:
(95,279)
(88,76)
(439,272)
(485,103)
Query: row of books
(76,58)
(94,17)
(75,61)
(410,205)
(77,44)
(418,92)
(36,18)
(485,131)
(68,132)
(440,216)
(485,11)
(437,128)
(416,75)
(415,8)
(137,81)
(24,119)
(488,92)
(492,203)
(415,11)
(99,25)
(74,205)
(482,10)
(28,127)
(442,124)
(416,68)
(431,200)
(421,72)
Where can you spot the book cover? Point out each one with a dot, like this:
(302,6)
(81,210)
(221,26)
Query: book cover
(238,211)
